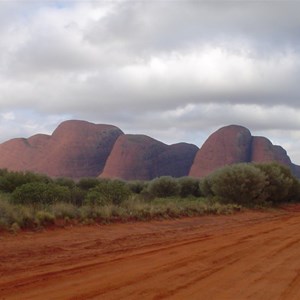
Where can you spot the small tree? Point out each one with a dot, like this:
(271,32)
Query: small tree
(77,196)
(281,185)
(108,192)
(87,183)
(63,181)
(137,186)
(165,186)
(9,181)
(240,183)
(189,187)
(40,193)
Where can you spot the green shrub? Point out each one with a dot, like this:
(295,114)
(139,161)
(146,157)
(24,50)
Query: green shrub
(240,183)
(95,197)
(9,181)
(55,193)
(108,192)
(137,186)
(87,183)
(63,181)
(189,187)
(164,186)
(40,193)
(77,196)
(281,185)
(206,186)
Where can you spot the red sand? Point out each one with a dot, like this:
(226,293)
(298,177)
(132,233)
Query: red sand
(253,255)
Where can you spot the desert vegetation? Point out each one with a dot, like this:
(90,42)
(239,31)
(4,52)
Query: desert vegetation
(30,201)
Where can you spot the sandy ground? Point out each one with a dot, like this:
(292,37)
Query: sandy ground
(252,255)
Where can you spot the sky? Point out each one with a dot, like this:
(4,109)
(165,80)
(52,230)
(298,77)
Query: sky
(175,70)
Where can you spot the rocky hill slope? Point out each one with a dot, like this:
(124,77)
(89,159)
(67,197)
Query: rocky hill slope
(81,149)
(235,144)
(75,149)
(142,157)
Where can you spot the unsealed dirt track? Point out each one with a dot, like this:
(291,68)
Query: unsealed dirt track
(252,255)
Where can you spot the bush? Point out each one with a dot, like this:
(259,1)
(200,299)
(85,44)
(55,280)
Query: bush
(206,186)
(164,186)
(137,186)
(281,185)
(87,183)
(189,187)
(77,196)
(40,193)
(67,182)
(240,183)
(108,192)
(9,181)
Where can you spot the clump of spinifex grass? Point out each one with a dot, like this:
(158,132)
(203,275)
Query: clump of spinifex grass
(15,217)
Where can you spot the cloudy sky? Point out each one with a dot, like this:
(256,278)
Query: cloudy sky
(173,69)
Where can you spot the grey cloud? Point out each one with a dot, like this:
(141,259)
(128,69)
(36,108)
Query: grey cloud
(165,25)
(176,70)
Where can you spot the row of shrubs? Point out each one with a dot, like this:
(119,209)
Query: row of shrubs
(245,184)
(27,198)
(32,189)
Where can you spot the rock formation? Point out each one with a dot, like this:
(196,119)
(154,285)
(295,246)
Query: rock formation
(75,149)
(264,151)
(142,157)
(234,144)
(226,146)
(81,149)
(22,154)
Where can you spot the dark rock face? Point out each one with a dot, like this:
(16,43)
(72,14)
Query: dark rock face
(264,151)
(234,144)
(228,145)
(176,160)
(296,170)
(132,157)
(75,149)
(142,157)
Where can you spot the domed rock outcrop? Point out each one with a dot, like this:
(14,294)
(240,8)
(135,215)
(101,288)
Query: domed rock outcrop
(75,149)
(262,150)
(78,149)
(228,145)
(81,149)
(20,153)
(235,144)
(142,157)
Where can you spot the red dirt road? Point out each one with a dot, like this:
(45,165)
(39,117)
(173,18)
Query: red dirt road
(253,255)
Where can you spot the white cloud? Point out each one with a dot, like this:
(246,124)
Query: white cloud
(8,116)
(174,70)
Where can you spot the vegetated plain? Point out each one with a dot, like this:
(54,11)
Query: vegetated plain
(32,201)
(192,253)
